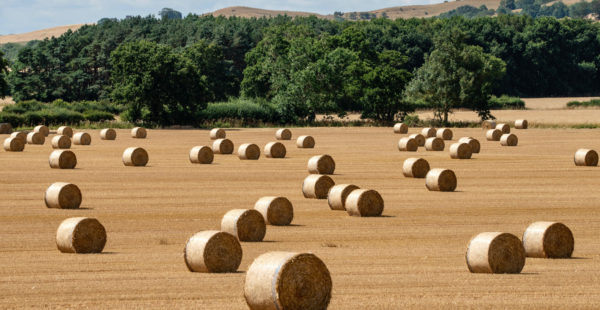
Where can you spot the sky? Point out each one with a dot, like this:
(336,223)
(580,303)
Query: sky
(19,16)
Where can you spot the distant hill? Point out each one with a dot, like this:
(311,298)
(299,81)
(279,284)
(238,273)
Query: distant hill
(38,35)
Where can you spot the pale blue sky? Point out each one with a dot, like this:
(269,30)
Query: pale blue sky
(18,16)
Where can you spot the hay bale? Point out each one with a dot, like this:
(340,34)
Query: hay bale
(415,168)
(82,138)
(249,151)
(212,251)
(217,133)
(135,156)
(317,186)
(521,124)
(108,134)
(62,195)
(222,146)
(475,146)
(139,133)
(65,131)
(407,144)
(495,252)
(509,139)
(61,142)
(305,142)
(19,135)
(62,159)
(460,150)
(245,224)
(336,198)
(434,144)
(42,129)
(444,133)
(400,128)
(505,128)
(14,145)
(80,235)
(428,132)
(36,138)
(275,150)
(201,155)
(321,164)
(419,138)
(275,210)
(285,280)
(443,180)
(364,202)
(283,134)
(585,157)
(6,128)
(487,125)
(548,240)
(493,135)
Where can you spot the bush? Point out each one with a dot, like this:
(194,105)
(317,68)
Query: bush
(505,102)
(56,116)
(14,119)
(24,107)
(244,110)
(98,116)
(584,104)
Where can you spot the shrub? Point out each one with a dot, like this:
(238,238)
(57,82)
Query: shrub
(505,102)
(578,104)
(14,119)
(244,110)
(24,107)
(98,116)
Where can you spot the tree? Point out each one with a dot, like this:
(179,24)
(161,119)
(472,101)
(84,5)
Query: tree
(168,13)
(4,90)
(509,4)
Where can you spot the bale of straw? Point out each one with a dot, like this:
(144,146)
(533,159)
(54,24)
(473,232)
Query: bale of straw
(19,135)
(475,146)
(82,138)
(434,144)
(275,150)
(487,125)
(321,164)
(14,145)
(438,179)
(35,138)
(42,129)
(493,135)
(415,168)
(521,124)
(135,156)
(419,138)
(108,134)
(80,235)
(275,210)
(444,133)
(62,159)
(201,155)
(336,198)
(505,128)
(305,142)
(548,240)
(222,146)
(6,128)
(65,131)
(317,186)
(285,280)
(509,139)
(217,133)
(283,134)
(139,133)
(245,224)
(61,142)
(428,132)
(586,157)
(400,128)
(460,150)
(407,144)
(364,202)
(249,151)
(61,195)
(212,251)
(495,252)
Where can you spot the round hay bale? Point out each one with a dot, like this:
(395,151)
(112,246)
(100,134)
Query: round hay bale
(364,202)
(585,157)
(285,280)
(444,133)
(415,168)
(135,156)
(245,224)
(14,145)
(61,142)
(407,144)
(434,144)
(82,138)
(217,133)
(201,155)
(336,198)
(283,134)
(400,128)
(495,252)
(419,138)
(108,134)
(65,131)
(249,151)
(428,132)
(487,125)
(509,139)
(321,164)
(80,235)
(6,128)
(35,138)
(19,135)
(275,150)
(62,159)
(475,146)
(505,128)
(305,142)
(460,150)
(42,129)
(521,124)
(317,186)
(493,135)
(275,210)
(548,240)
(222,146)
(62,195)
(139,133)
(443,180)
(212,251)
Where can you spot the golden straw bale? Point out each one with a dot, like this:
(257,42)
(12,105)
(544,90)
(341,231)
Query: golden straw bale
(61,142)
(283,134)
(65,131)
(317,186)
(217,133)
(443,180)
(139,133)
(275,210)
(586,157)
(36,138)
(19,135)
(212,251)
(505,128)
(321,164)
(275,150)
(82,138)
(249,151)
(434,144)
(415,168)
(407,144)
(222,146)
(495,252)
(6,128)
(460,150)
(401,128)
(305,142)
(62,159)
(487,125)
(108,134)
(336,198)
(419,138)
(548,240)
(444,133)
(493,135)
(245,224)
(428,132)
(14,145)
(364,202)
(201,155)
(42,129)
(509,139)
(135,156)
(475,146)
(80,235)
(61,195)
(521,124)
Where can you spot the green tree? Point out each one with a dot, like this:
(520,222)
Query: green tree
(4,89)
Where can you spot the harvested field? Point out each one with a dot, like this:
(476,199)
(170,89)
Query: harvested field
(411,257)
(534,117)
